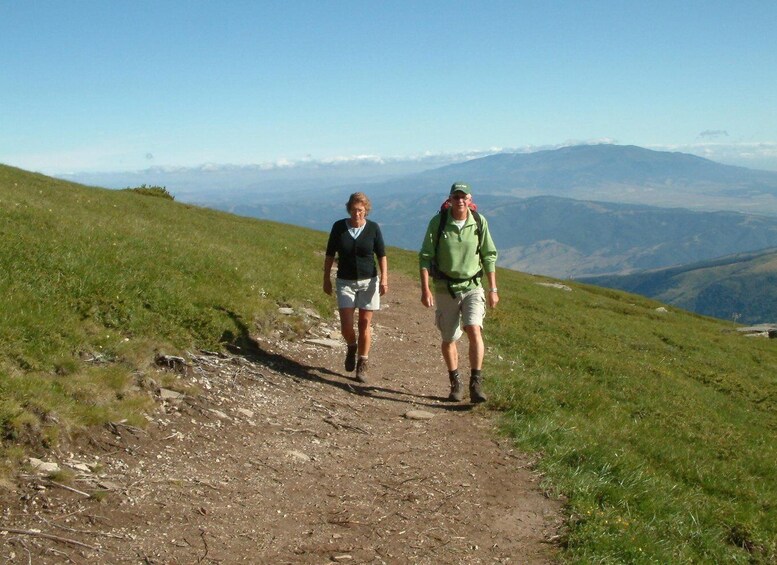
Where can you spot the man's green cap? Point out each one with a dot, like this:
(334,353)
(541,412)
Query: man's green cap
(460,187)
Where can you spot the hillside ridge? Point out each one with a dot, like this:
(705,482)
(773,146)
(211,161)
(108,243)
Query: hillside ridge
(740,287)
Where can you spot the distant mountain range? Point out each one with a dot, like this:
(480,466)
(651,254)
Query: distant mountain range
(607,173)
(557,235)
(741,287)
(572,212)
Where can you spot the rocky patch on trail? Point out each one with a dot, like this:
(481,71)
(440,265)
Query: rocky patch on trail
(276,455)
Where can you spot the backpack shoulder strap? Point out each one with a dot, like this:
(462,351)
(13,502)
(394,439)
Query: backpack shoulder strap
(440,228)
(479,222)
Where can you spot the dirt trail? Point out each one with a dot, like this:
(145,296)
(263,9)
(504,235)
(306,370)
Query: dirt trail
(284,458)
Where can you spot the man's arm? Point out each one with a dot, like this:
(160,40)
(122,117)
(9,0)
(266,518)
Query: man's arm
(425,258)
(488,256)
(427,296)
(492,294)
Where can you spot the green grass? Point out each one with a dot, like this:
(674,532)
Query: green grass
(659,429)
(93,282)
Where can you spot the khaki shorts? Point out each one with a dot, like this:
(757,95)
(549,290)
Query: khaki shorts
(363,294)
(467,309)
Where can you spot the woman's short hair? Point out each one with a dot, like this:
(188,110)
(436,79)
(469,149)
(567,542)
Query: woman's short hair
(359,198)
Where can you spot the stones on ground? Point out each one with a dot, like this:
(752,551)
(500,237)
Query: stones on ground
(556,285)
(43,467)
(760,330)
(418,415)
(298,456)
(323,342)
(109,485)
(310,313)
(83,467)
(167,394)
(177,364)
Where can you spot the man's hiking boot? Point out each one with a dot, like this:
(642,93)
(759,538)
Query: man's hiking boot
(475,394)
(457,390)
(350,357)
(361,370)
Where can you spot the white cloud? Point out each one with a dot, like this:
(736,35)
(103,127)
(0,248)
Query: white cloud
(713,133)
(756,155)
(107,158)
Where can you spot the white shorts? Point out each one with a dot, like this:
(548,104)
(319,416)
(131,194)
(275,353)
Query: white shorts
(467,309)
(363,294)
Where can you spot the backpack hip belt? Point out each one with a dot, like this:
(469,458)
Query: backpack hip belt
(450,280)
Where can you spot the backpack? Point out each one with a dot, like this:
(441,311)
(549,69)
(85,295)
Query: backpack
(436,273)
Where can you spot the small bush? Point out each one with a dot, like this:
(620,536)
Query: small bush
(158,191)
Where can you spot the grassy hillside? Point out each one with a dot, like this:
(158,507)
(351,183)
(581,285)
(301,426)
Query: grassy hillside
(741,287)
(659,428)
(93,282)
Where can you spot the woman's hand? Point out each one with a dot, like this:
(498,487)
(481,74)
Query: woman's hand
(328,286)
(383,288)
(427,298)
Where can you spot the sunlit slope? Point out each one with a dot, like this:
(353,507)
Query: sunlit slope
(660,425)
(85,267)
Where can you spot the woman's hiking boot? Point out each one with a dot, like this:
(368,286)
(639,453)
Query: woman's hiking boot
(457,390)
(475,393)
(350,357)
(361,370)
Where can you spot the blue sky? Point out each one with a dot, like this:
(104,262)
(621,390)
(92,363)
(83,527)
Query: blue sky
(125,85)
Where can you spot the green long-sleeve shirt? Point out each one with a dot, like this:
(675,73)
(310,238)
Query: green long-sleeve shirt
(456,254)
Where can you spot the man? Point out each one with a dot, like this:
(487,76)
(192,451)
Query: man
(457,255)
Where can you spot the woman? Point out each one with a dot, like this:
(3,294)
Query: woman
(355,240)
